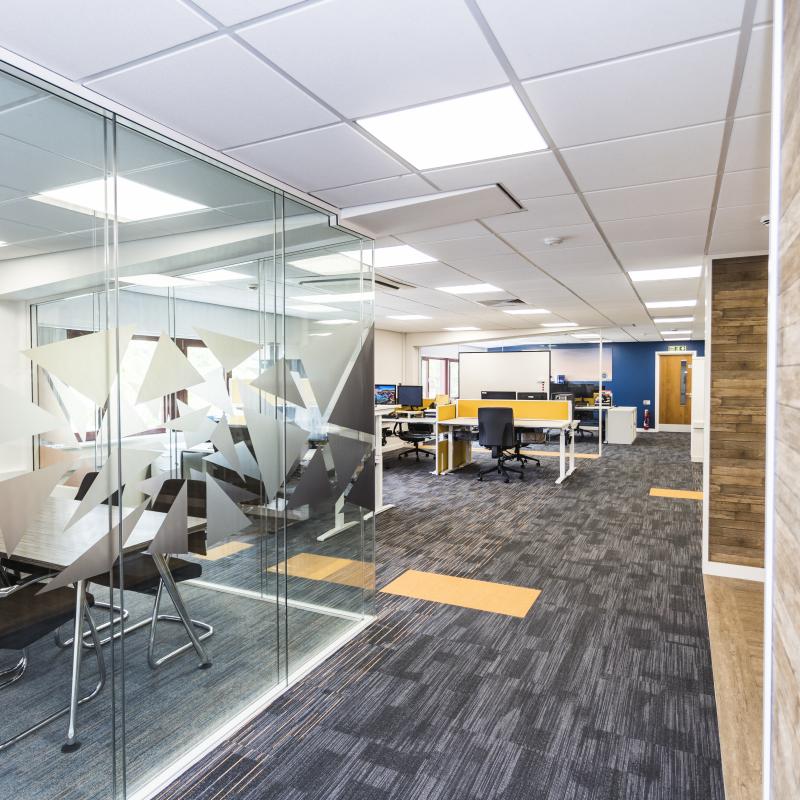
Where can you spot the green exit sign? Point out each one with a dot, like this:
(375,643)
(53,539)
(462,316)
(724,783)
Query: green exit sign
(676,348)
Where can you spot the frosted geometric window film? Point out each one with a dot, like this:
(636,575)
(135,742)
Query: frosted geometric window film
(21,418)
(223,441)
(100,557)
(355,406)
(224,517)
(169,371)
(172,538)
(247,463)
(22,498)
(214,390)
(271,380)
(196,426)
(134,462)
(86,363)
(230,351)
(314,486)
(131,420)
(363,491)
(347,455)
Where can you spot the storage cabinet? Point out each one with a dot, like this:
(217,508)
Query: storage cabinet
(621,422)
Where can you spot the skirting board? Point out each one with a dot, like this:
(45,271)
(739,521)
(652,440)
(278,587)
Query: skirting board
(723,570)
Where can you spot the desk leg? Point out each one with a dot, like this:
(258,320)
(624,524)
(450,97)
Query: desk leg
(72,742)
(563,472)
(339,525)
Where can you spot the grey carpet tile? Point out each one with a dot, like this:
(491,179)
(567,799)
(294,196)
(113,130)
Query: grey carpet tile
(603,691)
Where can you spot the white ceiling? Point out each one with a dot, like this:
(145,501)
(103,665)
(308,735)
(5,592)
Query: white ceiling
(646,166)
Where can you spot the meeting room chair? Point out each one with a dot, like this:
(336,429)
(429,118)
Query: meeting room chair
(417,433)
(496,431)
(140,573)
(26,617)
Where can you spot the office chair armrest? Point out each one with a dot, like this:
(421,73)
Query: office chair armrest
(7,591)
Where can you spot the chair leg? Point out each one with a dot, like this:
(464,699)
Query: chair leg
(101,682)
(13,674)
(121,614)
(183,617)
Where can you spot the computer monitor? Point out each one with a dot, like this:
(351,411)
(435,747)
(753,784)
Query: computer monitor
(385,394)
(531,395)
(409,396)
(488,395)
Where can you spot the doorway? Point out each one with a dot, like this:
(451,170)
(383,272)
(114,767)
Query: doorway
(674,391)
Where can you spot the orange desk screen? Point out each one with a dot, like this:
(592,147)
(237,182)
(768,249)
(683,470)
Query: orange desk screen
(523,409)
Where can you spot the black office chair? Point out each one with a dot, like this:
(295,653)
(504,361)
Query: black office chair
(417,433)
(523,438)
(27,616)
(496,430)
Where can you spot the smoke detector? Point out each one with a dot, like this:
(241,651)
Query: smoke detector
(765,219)
(553,241)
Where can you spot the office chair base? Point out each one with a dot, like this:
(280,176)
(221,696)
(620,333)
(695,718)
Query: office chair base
(69,746)
(13,674)
(414,450)
(503,470)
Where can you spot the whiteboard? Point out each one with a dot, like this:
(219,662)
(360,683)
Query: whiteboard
(520,371)
(581,364)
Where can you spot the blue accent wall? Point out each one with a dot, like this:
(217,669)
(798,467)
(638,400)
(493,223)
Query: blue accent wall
(633,367)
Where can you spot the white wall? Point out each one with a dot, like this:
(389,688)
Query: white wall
(389,357)
(15,373)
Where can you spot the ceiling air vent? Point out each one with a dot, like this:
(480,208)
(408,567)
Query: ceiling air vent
(354,284)
(506,303)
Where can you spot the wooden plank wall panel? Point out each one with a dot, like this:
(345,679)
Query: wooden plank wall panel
(786,588)
(738,410)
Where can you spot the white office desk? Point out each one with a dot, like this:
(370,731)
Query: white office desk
(562,426)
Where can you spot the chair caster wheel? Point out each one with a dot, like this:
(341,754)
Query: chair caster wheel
(506,480)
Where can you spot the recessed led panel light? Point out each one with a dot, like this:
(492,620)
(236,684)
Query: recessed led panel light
(559,324)
(469,288)
(135,201)
(312,308)
(672,274)
(666,320)
(473,128)
(329,264)
(3,244)
(684,339)
(407,316)
(159,281)
(346,297)
(336,322)
(218,275)
(671,304)
(673,333)
(399,255)
(463,328)
(525,311)
(327,333)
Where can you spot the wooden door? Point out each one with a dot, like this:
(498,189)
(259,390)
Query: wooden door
(675,389)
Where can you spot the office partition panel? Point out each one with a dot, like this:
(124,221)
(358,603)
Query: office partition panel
(187,434)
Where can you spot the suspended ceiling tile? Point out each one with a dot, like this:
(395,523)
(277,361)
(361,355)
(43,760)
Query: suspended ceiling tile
(749,146)
(381,191)
(612,100)
(304,159)
(470,247)
(677,252)
(688,223)
(738,229)
(528,176)
(429,275)
(763,11)
(564,209)
(540,38)
(669,155)
(650,199)
(216,92)
(446,233)
(743,188)
(595,255)
(669,290)
(532,241)
(755,93)
(101,36)
(372,57)
(233,12)
(506,262)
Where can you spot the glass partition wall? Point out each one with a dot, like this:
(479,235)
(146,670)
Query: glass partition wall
(186,458)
